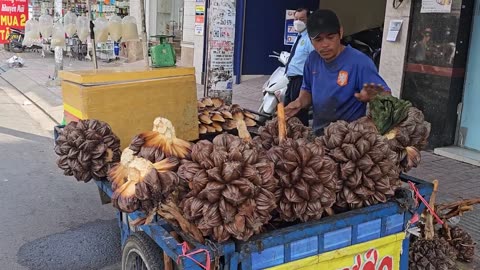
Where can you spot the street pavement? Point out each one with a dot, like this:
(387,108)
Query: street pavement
(50,212)
(48,221)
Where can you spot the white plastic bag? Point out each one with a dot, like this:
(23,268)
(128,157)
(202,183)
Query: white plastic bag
(70,21)
(101,30)
(32,33)
(58,36)
(83,28)
(129,29)
(115,27)
(45,23)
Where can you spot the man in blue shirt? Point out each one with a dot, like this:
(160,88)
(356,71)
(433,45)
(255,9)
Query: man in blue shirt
(299,54)
(338,81)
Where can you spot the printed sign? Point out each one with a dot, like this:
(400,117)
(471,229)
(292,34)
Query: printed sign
(380,254)
(436,6)
(199,18)
(221,37)
(290,33)
(13,14)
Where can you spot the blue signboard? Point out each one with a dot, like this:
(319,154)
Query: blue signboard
(290,33)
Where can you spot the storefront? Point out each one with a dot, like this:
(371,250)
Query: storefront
(441,74)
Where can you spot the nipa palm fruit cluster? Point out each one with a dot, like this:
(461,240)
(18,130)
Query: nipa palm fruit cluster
(86,149)
(308,180)
(367,167)
(435,254)
(404,127)
(268,135)
(462,242)
(214,116)
(146,174)
(232,187)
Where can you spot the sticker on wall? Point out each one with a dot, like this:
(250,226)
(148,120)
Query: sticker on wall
(436,6)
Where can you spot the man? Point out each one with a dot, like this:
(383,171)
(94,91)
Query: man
(338,81)
(299,54)
(420,48)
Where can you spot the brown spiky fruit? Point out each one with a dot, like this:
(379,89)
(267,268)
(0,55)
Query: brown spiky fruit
(463,243)
(232,188)
(368,170)
(434,254)
(146,174)
(269,137)
(308,180)
(87,149)
(408,138)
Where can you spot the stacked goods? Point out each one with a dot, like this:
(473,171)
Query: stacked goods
(368,169)
(435,254)
(430,251)
(87,149)
(232,187)
(402,125)
(214,116)
(308,179)
(268,134)
(462,242)
(145,176)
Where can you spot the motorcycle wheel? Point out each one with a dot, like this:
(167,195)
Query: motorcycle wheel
(18,49)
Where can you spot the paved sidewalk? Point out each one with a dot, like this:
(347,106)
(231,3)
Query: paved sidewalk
(457,180)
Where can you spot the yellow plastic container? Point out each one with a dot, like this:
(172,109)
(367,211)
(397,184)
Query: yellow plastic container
(130,99)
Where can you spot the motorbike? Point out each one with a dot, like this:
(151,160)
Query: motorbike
(367,41)
(274,88)
(14,40)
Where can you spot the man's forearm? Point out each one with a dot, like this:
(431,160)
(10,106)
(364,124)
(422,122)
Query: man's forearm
(305,99)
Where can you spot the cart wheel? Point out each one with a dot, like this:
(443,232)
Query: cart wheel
(141,253)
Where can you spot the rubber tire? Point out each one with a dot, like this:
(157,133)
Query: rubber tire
(144,246)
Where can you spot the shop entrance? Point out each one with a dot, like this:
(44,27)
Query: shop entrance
(469,133)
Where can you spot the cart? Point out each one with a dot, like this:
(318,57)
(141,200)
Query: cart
(331,240)
(357,239)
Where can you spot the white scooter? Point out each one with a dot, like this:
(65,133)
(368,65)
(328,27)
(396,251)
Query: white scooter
(274,89)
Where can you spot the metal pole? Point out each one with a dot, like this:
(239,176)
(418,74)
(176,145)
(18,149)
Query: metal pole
(144,33)
(58,50)
(92,36)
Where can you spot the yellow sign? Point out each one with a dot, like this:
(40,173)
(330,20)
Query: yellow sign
(379,254)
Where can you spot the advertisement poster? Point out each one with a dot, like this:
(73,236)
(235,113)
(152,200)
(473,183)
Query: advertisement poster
(290,33)
(199,18)
(436,6)
(221,37)
(380,254)
(13,14)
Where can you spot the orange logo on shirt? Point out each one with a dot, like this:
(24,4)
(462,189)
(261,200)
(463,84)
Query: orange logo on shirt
(342,79)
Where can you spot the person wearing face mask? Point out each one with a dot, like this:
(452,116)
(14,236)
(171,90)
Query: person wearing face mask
(298,55)
(338,80)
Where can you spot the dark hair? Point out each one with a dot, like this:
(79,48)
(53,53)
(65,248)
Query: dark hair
(303,9)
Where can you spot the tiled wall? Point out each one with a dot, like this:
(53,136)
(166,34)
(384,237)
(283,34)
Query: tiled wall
(393,57)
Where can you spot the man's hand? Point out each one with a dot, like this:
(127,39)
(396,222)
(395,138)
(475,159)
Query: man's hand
(292,109)
(369,91)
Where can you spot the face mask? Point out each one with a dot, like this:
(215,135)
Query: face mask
(299,26)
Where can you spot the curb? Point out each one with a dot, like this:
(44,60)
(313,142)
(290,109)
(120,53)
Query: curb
(39,95)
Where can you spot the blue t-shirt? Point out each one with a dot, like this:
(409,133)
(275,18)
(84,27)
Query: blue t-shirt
(333,85)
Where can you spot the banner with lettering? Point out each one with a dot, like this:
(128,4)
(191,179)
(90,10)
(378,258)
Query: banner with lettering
(13,14)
